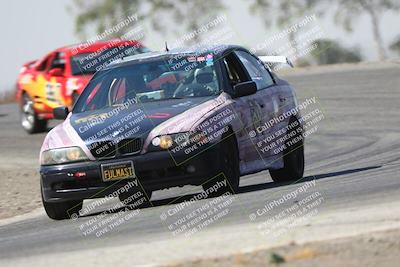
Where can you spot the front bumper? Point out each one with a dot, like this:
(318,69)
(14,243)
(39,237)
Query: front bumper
(154,171)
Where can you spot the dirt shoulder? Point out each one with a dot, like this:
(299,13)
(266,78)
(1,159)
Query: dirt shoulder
(20,191)
(19,165)
(374,249)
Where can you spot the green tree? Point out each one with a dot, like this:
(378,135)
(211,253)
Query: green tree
(193,14)
(281,13)
(104,14)
(331,52)
(395,46)
(349,10)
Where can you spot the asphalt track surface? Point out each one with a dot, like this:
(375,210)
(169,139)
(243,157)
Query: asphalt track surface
(353,157)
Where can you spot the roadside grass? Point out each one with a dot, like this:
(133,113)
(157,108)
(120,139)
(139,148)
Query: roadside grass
(275,258)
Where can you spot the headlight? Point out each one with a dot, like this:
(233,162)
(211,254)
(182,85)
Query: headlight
(180,139)
(63,155)
(163,142)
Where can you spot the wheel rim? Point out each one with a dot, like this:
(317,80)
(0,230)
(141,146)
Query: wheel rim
(28,114)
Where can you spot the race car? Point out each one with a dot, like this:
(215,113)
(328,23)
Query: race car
(60,76)
(199,116)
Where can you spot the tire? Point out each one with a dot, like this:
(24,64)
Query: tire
(228,170)
(29,118)
(293,159)
(125,198)
(62,210)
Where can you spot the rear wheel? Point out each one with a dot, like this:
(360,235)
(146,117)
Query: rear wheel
(293,158)
(29,118)
(62,210)
(229,173)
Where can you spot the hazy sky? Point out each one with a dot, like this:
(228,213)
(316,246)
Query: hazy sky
(29,29)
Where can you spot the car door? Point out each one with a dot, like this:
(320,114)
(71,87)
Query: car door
(248,111)
(55,81)
(265,104)
(33,83)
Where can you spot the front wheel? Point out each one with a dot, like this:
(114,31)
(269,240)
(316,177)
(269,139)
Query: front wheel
(227,180)
(29,118)
(293,158)
(62,210)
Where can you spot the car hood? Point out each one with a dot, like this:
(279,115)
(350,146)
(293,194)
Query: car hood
(145,121)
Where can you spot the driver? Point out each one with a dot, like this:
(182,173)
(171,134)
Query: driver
(203,84)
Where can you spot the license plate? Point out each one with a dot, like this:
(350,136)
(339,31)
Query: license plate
(117,171)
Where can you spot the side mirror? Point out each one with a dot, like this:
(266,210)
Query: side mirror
(60,113)
(58,72)
(245,88)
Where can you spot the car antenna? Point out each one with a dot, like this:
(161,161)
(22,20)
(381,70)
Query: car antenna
(166,46)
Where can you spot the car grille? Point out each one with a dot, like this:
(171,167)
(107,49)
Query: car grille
(103,149)
(107,149)
(130,146)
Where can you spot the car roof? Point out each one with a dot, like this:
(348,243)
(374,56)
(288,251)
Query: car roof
(94,46)
(217,50)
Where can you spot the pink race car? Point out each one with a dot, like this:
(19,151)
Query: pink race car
(164,119)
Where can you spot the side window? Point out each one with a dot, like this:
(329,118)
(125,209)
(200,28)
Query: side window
(58,61)
(235,72)
(256,70)
(117,92)
(43,64)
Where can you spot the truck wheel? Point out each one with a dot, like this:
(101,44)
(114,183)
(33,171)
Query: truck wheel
(293,159)
(29,119)
(62,210)
(229,172)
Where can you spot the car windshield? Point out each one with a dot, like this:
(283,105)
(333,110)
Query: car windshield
(148,81)
(91,62)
